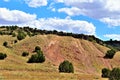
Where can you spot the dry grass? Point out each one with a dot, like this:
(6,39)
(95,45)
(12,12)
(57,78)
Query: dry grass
(87,58)
(38,75)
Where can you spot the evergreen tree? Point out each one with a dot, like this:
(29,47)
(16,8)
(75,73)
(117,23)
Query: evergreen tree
(66,66)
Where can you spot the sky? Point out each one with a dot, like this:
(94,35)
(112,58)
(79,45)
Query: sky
(92,17)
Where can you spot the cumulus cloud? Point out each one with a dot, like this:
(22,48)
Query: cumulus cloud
(113,36)
(111,22)
(15,16)
(71,11)
(20,18)
(67,25)
(98,9)
(36,3)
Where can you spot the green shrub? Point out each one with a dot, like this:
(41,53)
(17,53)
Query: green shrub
(66,66)
(105,73)
(37,58)
(15,41)
(25,54)
(2,56)
(21,35)
(5,44)
(13,35)
(115,74)
(37,48)
(110,54)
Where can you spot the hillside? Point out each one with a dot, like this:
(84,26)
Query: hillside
(86,56)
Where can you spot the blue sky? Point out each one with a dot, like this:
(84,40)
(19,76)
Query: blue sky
(93,17)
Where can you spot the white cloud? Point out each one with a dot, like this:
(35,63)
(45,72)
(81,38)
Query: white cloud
(113,36)
(111,22)
(36,3)
(20,18)
(71,11)
(15,16)
(113,5)
(6,0)
(98,9)
(67,25)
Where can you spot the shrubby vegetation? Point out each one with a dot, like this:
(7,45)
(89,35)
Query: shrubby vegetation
(37,58)
(15,41)
(11,27)
(105,72)
(21,35)
(34,31)
(66,67)
(13,35)
(113,74)
(25,54)
(5,44)
(37,48)
(110,54)
(2,56)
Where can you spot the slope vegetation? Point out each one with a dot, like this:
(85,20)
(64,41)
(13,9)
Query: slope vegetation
(86,56)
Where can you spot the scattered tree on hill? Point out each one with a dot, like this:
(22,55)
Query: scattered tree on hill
(11,27)
(110,54)
(5,44)
(37,48)
(13,35)
(66,67)
(2,56)
(21,35)
(15,41)
(115,74)
(37,58)
(25,54)
(105,73)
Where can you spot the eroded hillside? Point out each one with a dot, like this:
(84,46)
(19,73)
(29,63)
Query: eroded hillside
(86,56)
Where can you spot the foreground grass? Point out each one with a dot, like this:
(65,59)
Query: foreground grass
(38,75)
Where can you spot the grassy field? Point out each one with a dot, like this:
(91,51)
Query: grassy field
(39,75)
(86,57)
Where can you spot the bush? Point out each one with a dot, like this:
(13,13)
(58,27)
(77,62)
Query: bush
(110,54)
(37,48)
(25,54)
(2,56)
(15,41)
(5,44)
(115,74)
(37,58)
(105,73)
(21,35)
(13,35)
(66,66)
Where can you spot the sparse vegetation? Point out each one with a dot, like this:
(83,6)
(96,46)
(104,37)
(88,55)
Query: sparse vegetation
(112,75)
(37,48)
(110,54)
(105,72)
(37,58)
(5,44)
(2,56)
(21,35)
(115,74)
(15,41)
(17,63)
(25,54)
(13,35)
(66,67)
